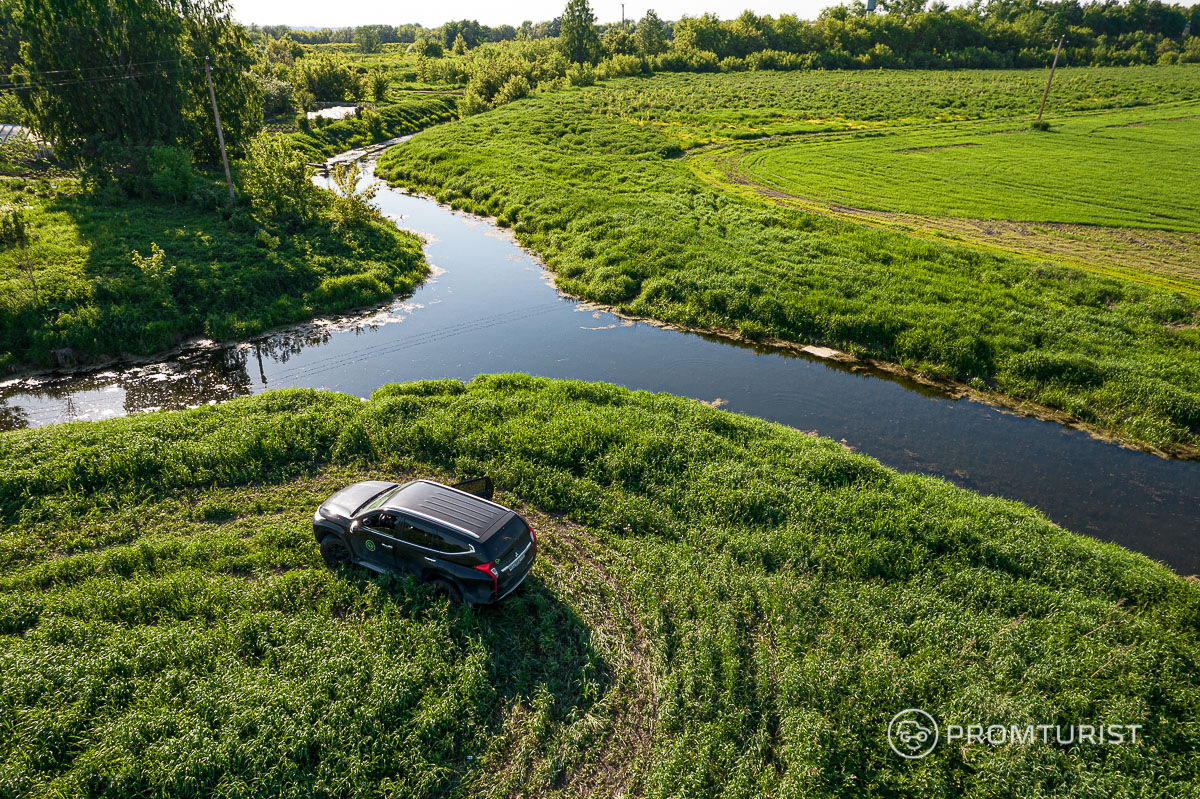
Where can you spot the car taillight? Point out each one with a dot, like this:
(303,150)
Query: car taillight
(533,534)
(490,570)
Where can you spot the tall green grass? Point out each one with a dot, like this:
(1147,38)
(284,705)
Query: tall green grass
(592,180)
(95,294)
(170,629)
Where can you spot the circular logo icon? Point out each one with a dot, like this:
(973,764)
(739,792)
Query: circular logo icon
(912,733)
(370,545)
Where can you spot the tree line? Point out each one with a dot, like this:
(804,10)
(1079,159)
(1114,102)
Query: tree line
(106,79)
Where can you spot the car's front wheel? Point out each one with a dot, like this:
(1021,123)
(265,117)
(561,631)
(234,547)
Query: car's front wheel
(334,550)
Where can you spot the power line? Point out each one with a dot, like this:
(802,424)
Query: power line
(158,72)
(11,75)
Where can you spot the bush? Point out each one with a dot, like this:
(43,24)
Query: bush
(514,89)
(277,182)
(276,94)
(620,66)
(352,205)
(170,172)
(350,291)
(581,75)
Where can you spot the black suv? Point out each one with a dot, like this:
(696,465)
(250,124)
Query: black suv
(469,547)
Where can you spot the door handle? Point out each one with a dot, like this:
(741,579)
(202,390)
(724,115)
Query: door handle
(386,546)
(431,560)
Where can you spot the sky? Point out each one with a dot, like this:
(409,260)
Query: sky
(347,13)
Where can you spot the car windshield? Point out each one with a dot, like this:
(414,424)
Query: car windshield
(381,500)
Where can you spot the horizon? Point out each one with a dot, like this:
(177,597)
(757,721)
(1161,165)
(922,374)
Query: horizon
(364,12)
(361,12)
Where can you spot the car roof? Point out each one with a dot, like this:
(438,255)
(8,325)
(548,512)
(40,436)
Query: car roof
(458,510)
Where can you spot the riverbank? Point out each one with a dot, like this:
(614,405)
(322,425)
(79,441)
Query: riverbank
(730,599)
(600,192)
(372,125)
(107,279)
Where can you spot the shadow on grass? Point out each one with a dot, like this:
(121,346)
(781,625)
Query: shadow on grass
(535,642)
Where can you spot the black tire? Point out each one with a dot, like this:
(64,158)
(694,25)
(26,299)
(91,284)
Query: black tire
(334,550)
(443,588)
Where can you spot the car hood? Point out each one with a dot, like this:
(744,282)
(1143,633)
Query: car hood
(351,498)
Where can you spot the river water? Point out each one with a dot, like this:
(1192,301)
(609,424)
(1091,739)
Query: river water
(490,307)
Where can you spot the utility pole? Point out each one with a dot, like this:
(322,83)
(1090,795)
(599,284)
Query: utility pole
(212,94)
(1046,93)
(623,16)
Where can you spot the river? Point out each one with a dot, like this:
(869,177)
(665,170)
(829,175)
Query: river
(491,307)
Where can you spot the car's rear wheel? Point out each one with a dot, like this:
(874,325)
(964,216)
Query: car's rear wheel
(334,550)
(445,589)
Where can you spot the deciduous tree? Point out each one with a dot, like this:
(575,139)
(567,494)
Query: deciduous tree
(579,41)
(112,76)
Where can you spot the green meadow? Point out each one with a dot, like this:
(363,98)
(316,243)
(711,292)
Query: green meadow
(89,283)
(1121,169)
(698,109)
(598,182)
(721,607)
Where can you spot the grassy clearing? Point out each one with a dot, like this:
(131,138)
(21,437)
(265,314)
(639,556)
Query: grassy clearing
(221,275)
(1120,169)
(622,220)
(733,608)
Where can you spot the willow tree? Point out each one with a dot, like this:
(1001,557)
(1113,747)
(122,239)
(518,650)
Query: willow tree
(102,78)
(579,41)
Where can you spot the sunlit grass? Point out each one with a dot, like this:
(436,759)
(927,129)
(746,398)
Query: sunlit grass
(622,220)
(759,602)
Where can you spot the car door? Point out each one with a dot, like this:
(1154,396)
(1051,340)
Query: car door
(376,544)
(422,545)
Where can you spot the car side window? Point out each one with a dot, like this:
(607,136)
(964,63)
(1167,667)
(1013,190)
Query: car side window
(430,539)
(413,535)
(387,522)
(450,546)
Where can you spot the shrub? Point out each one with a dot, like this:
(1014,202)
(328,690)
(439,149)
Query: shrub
(514,89)
(277,182)
(581,75)
(352,205)
(170,172)
(276,94)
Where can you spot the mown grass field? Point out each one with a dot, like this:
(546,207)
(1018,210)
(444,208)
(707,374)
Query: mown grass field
(721,606)
(221,274)
(1120,169)
(621,219)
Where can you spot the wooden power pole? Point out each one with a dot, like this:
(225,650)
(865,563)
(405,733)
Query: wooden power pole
(212,94)
(1046,93)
